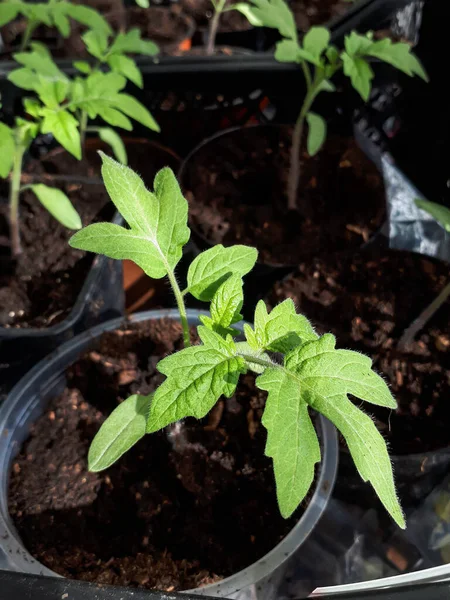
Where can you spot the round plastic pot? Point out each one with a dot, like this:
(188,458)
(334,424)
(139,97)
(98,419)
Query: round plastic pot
(26,403)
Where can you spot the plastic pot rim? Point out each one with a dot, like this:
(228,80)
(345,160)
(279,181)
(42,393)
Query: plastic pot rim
(20,560)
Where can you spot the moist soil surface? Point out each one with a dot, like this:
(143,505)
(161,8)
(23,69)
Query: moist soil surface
(308,13)
(202,11)
(41,287)
(236,187)
(367,302)
(164,26)
(187,506)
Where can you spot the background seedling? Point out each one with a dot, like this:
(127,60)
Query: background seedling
(320,61)
(312,373)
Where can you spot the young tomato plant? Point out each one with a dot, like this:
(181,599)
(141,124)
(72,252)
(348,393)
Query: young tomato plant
(55,13)
(14,142)
(313,373)
(442,215)
(65,105)
(320,61)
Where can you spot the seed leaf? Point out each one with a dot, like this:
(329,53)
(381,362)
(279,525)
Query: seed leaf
(325,376)
(291,439)
(437,211)
(121,431)
(58,205)
(280,330)
(109,136)
(196,378)
(212,267)
(317,132)
(158,221)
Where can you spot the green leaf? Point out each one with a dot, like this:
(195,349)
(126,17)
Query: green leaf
(64,127)
(360,73)
(275,14)
(327,86)
(134,109)
(317,132)
(397,54)
(96,42)
(227,302)
(126,67)
(32,107)
(121,431)
(280,330)
(325,376)
(8,12)
(131,42)
(7,146)
(249,12)
(108,135)
(316,41)
(291,440)
(60,19)
(158,221)
(143,3)
(114,117)
(83,66)
(287,51)
(437,211)
(58,205)
(196,378)
(40,13)
(89,17)
(357,44)
(24,78)
(212,267)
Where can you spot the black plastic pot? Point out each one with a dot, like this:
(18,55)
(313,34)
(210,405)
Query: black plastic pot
(28,399)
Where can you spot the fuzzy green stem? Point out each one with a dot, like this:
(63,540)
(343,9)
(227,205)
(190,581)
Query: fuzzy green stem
(14,194)
(181,307)
(83,129)
(213,27)
(419,323)
(31,26)
(294,169)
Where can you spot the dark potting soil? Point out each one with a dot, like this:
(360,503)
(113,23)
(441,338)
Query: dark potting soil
(185,507)
(367,302)
(41,288)
(236,187)
(308,13)
(164,26)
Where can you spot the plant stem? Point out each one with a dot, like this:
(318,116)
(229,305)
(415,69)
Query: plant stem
(83,128)
(14,194)
(214,25)
(31,25)
(181,307)
(419,323)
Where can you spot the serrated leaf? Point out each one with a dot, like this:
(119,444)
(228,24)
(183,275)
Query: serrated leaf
(126,67)
(96,42)
(131,42)
(437,211)
(212,267)
(360,73)
(280,330)
(275,14)
(24,78)
(158,221)
(287,51)
(134,109)
(8,12)
(399,55)
(196,378)
(7,146)
(64,127)
(108,135)
(325,377)
(58,205)
(227,302)
(357,44)
(317,132)
(89,17)
(291,439)
(121,431)
(316,41)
